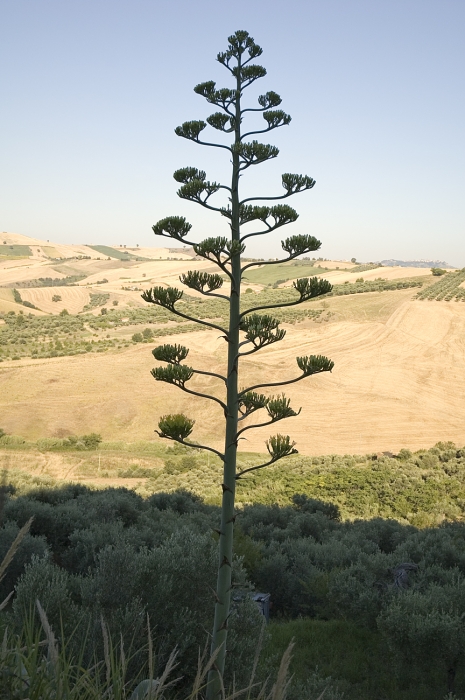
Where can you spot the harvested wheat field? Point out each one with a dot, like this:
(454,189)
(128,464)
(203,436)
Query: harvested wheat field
(73,299)
(18,271)
(7,303)
(386,273)
(157,271)
(398,381)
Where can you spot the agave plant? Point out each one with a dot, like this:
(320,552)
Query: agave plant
(250,330)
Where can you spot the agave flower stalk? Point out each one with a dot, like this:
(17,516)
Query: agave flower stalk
(247,331)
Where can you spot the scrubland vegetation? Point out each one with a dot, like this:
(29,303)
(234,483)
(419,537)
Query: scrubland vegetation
(422,488)
(366,573)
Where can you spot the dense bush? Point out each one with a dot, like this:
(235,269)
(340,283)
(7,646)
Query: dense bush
(73,442)
(112,554)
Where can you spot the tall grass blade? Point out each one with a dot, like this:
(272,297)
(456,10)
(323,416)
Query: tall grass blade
(279,690)
(257,655)
(51,641)
(4,603)
(162,682)
(106,649)
(14,547)
(150,647)
(202,672)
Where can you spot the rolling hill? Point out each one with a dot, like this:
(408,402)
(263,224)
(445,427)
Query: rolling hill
(398,381)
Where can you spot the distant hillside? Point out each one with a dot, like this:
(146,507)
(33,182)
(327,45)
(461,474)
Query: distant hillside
(417,263)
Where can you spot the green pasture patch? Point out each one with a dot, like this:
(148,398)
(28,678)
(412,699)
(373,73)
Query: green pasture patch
(50,251)
(22,251)
(281,272)
(72,270)
(121,254)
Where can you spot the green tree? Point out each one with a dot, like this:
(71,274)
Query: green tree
(92,440)
(248,330)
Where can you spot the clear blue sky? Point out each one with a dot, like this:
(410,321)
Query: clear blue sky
(91,91)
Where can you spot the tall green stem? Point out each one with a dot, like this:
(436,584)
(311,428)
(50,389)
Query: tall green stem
(223,589)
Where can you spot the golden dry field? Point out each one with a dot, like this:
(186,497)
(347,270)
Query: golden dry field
(72,298)
(398,380)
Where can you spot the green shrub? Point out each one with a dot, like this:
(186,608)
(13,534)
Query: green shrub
(12,440)
(127,584)
(91,441)
(51,585)
(51,443)
(426,633)
(30,547)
